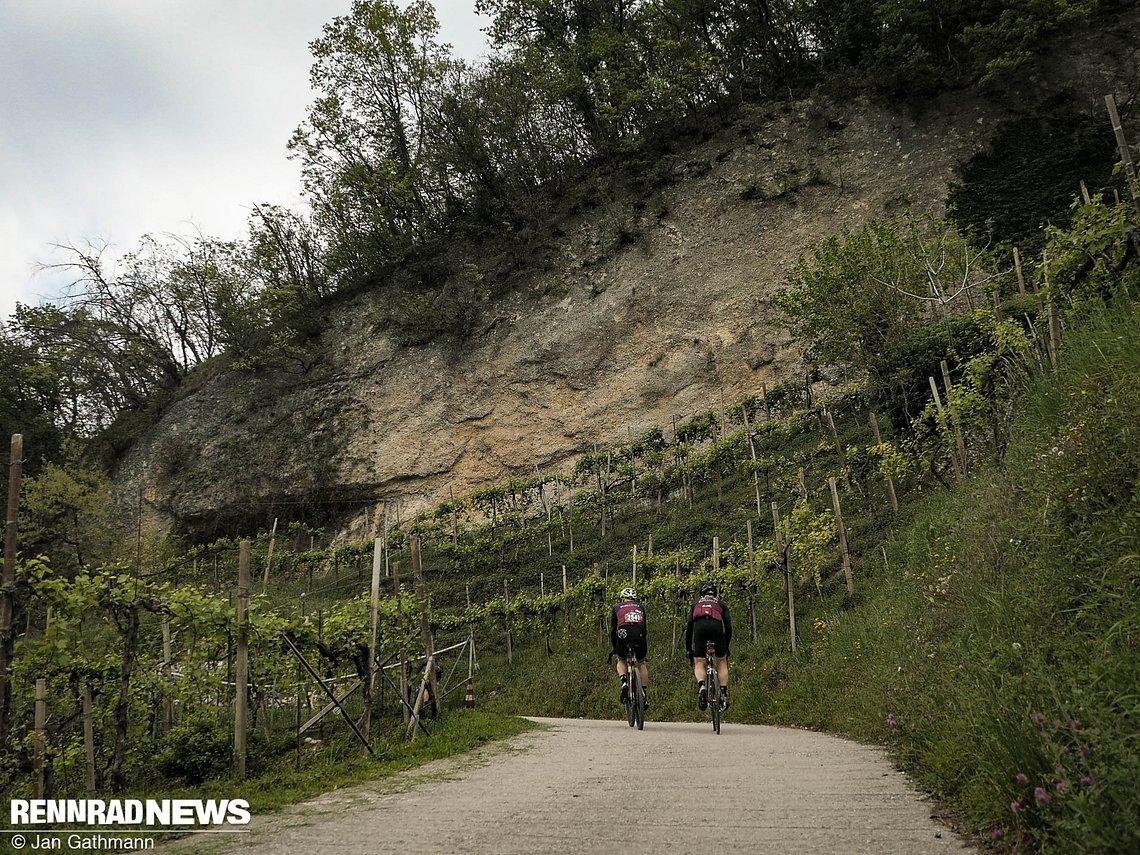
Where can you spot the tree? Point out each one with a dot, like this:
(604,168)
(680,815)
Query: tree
(380,73)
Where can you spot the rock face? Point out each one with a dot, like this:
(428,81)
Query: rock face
(651,309)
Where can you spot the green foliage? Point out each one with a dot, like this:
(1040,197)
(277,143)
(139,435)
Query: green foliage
(1027,177)
(1094,260)
(193,752)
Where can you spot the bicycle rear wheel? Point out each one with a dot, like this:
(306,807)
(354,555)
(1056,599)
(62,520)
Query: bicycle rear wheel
(630,705)
(638,699)
(713,683)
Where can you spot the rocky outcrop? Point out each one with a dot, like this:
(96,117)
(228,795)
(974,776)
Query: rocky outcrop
(664,314)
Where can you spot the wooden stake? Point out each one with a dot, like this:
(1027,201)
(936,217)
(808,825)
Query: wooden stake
(1054,335)
(507,621)
(1125,151)
(938,403)
(373,611)
(425,621)
(7,589)
(841,530)
(890,481)
(269,556)
(716,554)
(1020,275)
(789,587)
(755,474)
(89,736)
(167,661)
(1085,194)
(39,755)
(839,449)
(403,642)
(958,438)
(751,585)
(241,679)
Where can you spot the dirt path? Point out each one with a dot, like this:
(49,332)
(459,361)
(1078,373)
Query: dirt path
(598,786)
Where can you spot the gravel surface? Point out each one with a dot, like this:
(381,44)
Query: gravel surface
(598,786)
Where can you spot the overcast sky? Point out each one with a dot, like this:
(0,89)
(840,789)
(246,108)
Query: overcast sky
(120,118)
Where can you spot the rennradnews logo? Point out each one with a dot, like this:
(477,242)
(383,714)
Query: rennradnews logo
(166,812)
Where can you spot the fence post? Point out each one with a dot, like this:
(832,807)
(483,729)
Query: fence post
(841,530)
(241,679)
(890,481)
(751,586)
(507,621)
(40,738)
(7,588)
(789,586)
(374,605)
(89,736)
(425,623)
(938,403)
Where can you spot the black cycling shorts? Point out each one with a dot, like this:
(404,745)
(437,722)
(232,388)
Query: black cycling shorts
(634,636)
(706,630)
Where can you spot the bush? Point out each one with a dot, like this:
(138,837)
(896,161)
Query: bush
(195,752)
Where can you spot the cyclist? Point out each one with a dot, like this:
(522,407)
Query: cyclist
(628,627)
(709,619)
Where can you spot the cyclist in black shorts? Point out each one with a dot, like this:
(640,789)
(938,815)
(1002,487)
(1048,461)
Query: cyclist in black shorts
(709,620)
(627,626)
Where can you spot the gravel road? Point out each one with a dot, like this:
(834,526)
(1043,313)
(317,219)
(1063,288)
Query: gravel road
(581,786)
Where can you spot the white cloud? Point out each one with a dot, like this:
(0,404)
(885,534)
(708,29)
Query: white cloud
(125,117)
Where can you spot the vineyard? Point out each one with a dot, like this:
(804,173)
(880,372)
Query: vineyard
(119,666)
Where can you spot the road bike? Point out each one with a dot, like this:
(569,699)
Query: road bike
(712,684)
(635,697)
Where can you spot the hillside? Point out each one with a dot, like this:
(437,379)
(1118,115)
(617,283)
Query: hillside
(648,306)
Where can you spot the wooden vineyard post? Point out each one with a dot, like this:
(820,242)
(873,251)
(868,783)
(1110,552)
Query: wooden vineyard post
(958,438)
(373,612)
(89,736)
(677,576)
(241,679)
(8,586)
(403,647)
(542,594)
(1054,335)
(167,661)
(839,449)
(1020,274)
(1125,151)
(789,586)
(716,554)
(938,403)
(635,564)
(269,556)
(751,586)
(890,481)
(39,736)
(841,530)
(755,474)
(425,622)
(507,621)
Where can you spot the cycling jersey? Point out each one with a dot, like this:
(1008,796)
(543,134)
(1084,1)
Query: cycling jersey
(628,627)
(709,619)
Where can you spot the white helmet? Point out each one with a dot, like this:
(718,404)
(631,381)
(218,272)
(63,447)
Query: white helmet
(628,594)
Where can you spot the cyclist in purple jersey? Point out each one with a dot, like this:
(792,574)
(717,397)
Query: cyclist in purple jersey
(709,620)
(628,627)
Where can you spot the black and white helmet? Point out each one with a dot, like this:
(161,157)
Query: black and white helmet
(708,589)
(628,594)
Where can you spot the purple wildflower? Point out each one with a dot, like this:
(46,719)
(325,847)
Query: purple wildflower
(1016,806)
(1088,781)
(1042,797)
(1061,786)
(1021,778)
(997,834)
(1039,719)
